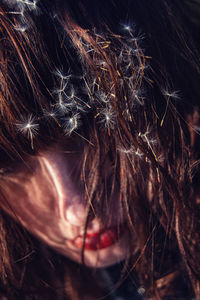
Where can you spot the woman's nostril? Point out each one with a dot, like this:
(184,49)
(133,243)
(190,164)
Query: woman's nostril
(76,214)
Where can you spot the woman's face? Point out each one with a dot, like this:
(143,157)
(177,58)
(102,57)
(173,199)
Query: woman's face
(46,197)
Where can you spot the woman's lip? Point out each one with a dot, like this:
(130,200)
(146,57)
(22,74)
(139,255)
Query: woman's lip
(99,240)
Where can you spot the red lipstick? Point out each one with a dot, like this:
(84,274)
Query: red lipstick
(99,240)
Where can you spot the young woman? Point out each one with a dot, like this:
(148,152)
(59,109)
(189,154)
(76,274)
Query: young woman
(99,144)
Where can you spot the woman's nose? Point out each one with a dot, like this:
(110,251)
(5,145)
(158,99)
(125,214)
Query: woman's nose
(76,214)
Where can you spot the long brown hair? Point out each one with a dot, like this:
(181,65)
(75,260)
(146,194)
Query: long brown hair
(129,71)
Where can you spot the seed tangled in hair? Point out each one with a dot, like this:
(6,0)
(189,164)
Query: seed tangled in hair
(72,123)
(170,94)
(20,9)
(107,118)
(30,4)
(28,126)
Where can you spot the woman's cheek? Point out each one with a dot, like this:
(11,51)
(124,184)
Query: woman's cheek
(49,204)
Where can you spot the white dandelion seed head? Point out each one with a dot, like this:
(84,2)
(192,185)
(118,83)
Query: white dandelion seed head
(126,151)
(49,113)
(62,107)
(146,133)
(71,93)
(67,99)
(137,38)
(170,94)
(130,28)
(60,89)
(139,96)
(74,100)
(30,4)
(18,10)
(131,150)
(21,12)
(127,27)
(28,126)
(22,28)
(147,137)
(71,123)
(107,117)
(161,158)
(138,153)
(61,75)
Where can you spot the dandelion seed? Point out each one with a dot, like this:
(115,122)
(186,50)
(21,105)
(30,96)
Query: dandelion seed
(165,113)
(15,13)
(170,94)
(139,96)
(71,123)
(49,113)
(150,141)
(161,158)
(138,52)
(73,100)
(100,95)
(19,13)
(61,75)
(89,87)
(62,107)
(146,137)
(61,89)
(138,153)
(31,4)
(71,94)
(28,127)
(131,150)
(107,118)
(137,38)
(126,151)
(129,28)
(21,28)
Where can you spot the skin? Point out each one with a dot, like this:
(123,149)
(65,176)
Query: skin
(44,195)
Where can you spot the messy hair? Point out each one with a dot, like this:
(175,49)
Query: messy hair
(121,79)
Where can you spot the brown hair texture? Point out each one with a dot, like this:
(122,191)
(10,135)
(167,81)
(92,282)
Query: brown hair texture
(121,79)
